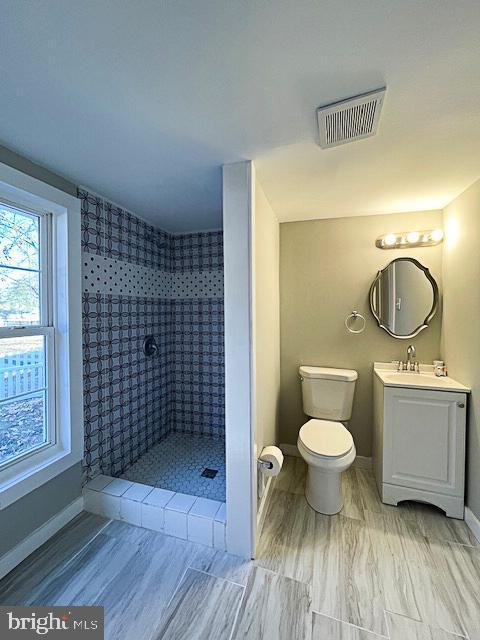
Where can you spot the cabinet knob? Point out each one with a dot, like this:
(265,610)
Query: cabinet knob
(461,405)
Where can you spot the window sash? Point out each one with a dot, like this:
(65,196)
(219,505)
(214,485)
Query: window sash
(45,270)
(44,328)
(49,386)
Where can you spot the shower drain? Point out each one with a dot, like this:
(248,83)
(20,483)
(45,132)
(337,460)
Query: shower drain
(209,473)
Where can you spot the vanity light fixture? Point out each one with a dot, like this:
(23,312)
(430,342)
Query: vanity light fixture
(409,239)
(413,237)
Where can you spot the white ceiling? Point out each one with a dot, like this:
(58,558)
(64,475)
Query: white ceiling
(144,100)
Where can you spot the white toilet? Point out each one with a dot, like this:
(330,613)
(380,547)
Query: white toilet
(324,442)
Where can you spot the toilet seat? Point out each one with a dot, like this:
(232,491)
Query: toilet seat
(326,439)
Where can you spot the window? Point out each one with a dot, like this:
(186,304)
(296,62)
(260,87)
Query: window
(41,404)
(27,335)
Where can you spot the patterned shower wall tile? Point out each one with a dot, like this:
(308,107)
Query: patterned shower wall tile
(141,281)
(111,231)
(105,275)
(198,388)
(197,252)
(126,395)
(92,222)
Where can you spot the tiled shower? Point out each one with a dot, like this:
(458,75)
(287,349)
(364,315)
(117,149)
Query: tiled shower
(155,420)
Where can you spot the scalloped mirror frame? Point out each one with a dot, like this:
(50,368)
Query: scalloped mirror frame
(423,325)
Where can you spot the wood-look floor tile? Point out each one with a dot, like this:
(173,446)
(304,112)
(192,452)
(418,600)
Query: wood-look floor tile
(431,521)
(24,583)
(347,582)
(81,580)
(398,536)
(402,628)
(352,501)
(325,628)
(287,541)
(434,524)
(203,607)
(292,476)
(222,565)
(130,534)
(136,600)
(370,497)
(457,568)
(406,565)
(273,607)
(434,599)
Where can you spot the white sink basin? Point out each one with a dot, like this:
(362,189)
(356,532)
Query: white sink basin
(423,380)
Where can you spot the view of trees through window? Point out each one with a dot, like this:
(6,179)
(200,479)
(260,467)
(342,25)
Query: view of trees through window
(19,268)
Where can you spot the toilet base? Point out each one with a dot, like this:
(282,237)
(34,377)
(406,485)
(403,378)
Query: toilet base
(323,491)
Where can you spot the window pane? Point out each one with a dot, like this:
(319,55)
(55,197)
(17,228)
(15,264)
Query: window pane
(19,297)
(19,268)
(22,373)
(22,425)
(22,365)
(19,239)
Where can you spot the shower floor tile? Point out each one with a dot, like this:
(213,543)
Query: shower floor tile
(177,462)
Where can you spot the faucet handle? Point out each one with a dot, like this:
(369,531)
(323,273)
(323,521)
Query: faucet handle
(400,366)
(416,366)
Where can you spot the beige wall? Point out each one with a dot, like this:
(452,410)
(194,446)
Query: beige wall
(461,318)
(266,321)
(326,268)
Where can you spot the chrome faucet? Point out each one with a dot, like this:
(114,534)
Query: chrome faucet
(411,353)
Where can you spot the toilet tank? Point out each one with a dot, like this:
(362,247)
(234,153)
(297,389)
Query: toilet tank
(328,393)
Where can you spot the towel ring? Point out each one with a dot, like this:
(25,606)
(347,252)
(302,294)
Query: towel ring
(353,316)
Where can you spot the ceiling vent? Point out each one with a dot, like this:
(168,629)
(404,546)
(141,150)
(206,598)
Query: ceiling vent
(351,119)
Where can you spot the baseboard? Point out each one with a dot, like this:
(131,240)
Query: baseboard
(35,540)
(472,522)
(290,450)
(362,462)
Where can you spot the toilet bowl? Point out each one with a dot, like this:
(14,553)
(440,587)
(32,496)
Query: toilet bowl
(324,442)
(328,449)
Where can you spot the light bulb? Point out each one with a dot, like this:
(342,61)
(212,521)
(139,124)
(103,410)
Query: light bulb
(437,235)
(413,236)
(390,239)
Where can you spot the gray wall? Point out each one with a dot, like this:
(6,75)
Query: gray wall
(22,517)
(326,268)
(15,161)
(461,313)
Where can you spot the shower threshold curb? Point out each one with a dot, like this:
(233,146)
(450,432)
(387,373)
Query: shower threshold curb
(180,515)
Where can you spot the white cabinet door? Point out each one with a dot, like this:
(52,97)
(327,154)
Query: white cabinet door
(424,439)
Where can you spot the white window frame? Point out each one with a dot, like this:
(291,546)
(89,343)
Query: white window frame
(45,328)
(64,335)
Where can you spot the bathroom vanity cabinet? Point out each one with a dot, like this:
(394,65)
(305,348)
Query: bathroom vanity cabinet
(419,440)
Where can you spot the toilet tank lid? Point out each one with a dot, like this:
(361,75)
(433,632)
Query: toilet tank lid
(325,373)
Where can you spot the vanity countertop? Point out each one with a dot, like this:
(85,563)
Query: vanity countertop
(426,379)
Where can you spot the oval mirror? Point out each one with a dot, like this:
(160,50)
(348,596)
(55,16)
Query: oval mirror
(404,297)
